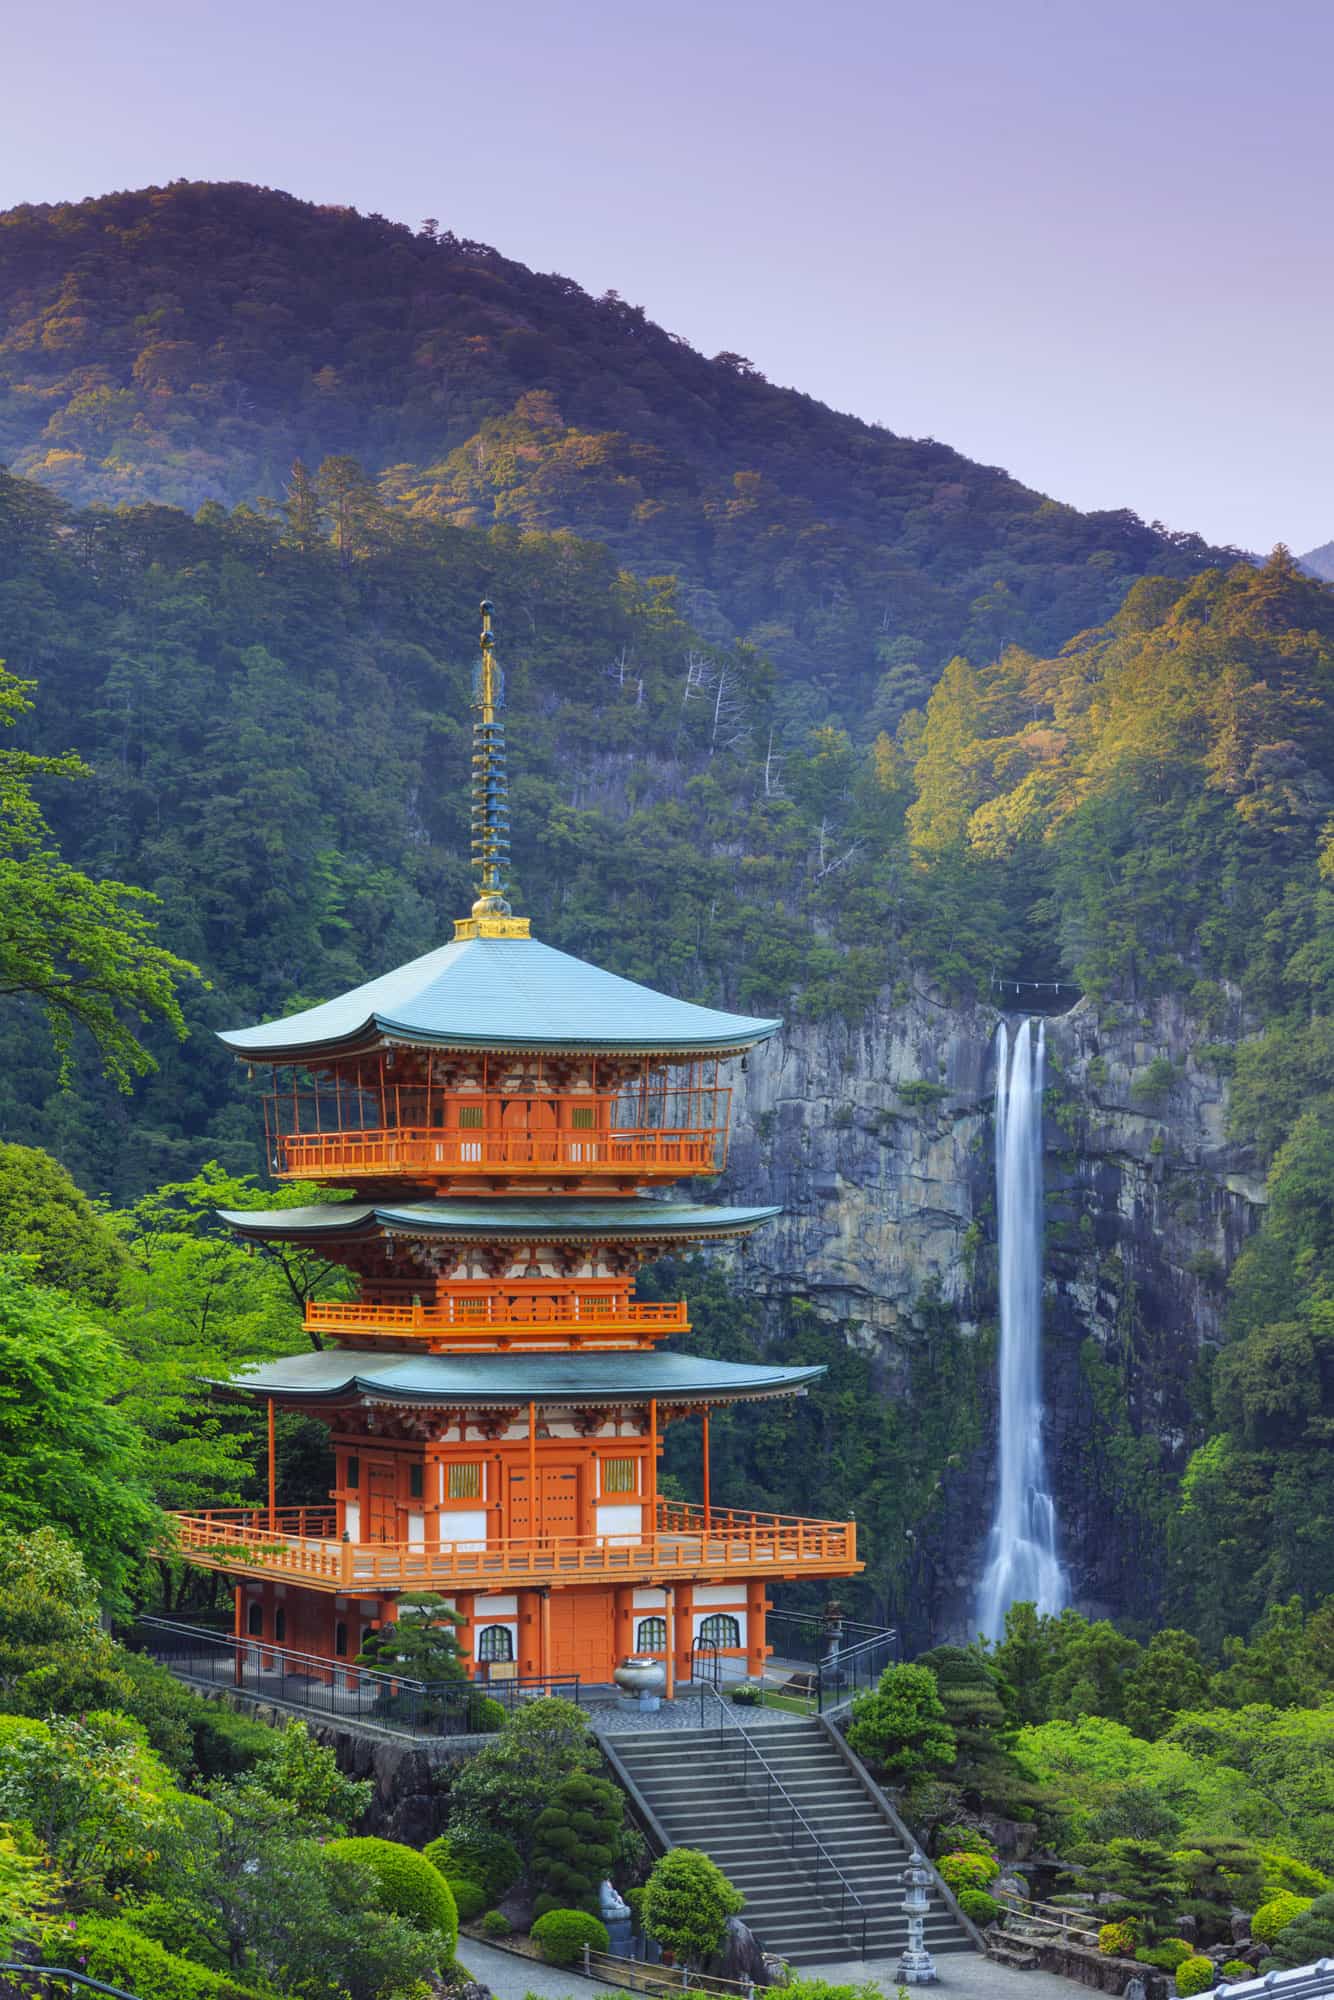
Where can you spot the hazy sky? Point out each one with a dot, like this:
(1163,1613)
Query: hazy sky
(1088,242)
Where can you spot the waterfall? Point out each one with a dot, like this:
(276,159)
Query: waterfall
(1022,1563)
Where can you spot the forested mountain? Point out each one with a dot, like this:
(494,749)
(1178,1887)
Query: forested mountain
(1319,562)
(186,344)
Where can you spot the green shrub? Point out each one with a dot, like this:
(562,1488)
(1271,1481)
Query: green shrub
(1166,1955)
(1276,1914)
(561,1935)
(968,1871)
(408,1885)
(1309,1936)
(107,1948)
(634,1898)
(1118,1940)
(746,1695)
(495,1924)
(900,1727)
(977,1904)
(687,1901)
(963,1840)
(470,1898)
(1196,1975)
(574,1842)
(486,1715)
(481,1855)
(1284,1871)
(1236,1968)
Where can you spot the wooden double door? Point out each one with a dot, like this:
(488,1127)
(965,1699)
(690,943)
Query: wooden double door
(381,1520)
(557,1512)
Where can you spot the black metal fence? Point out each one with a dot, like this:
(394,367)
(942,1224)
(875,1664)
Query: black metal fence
(340,1690)
(832,1658)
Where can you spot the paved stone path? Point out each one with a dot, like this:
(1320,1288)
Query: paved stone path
(963,1976)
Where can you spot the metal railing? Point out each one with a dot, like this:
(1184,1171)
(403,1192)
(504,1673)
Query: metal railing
(835,1659)
(1046,1918)
(684,1539)
(338,1689)
(789,1822)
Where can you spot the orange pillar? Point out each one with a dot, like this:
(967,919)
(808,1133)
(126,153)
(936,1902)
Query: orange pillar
(544,1602)
(653,1464)
(464,1632)
(623,1620)
(238,1628)
(532,1472)
(530,1635)
(704,1446)
(273,1471)
(681,1629)
(670,1688)
(756,1650)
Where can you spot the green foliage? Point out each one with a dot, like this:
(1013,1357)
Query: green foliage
(72,1459)
(470,1899)
(505,1786)
(968,1871)
(79,946)
(495,1924)
(480,1853)
(1167,1956)
(1275,1915)
(110,1949)
(46,1217)
(25,1890)
(574,1841)
(297,1771)
(978,1710)
(1170,1675)
(1117,1940)
(687,1901)
(94,1795)
(977,1904)
(1310,1934)
(54,1656)
(406,1885)
(422,1644)
(1235,1968)
(963,1840)
(900,1726)
(561,1935)
(1196,1975)
(1221,1874)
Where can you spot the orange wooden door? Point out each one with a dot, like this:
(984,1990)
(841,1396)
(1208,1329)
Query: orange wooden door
(581,1634)
(557,1502)
(381,1511)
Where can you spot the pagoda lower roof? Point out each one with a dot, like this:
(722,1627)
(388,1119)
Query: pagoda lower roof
(500,993)
(636,1218)
(509,1381)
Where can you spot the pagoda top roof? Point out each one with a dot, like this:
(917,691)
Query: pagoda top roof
(506,1381)
(500,993)
(636,1218)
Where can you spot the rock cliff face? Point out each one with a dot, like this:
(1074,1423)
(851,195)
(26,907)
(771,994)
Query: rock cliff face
(877,1139)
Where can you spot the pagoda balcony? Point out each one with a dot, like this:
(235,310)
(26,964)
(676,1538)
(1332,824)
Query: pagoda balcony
(497,1319)
(688,1543)
(629,1154)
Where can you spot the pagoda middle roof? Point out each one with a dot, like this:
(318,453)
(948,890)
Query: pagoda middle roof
(636,1218)
(500,1381)
(500,993)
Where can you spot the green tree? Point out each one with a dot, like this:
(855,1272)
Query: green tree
(1140,1879)
(421,1644)
(45,1216)
(1169,1675)
(81,948)
(72,1458)
(574,1844)
(687,1902)
(900,1726)
(506,1785)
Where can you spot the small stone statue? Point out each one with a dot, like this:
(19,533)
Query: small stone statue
(611,1903)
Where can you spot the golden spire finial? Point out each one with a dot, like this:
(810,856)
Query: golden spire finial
(491,915)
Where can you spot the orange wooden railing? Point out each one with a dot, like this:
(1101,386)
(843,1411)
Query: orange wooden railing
(461,1316)
(682,1543)
(403,1150)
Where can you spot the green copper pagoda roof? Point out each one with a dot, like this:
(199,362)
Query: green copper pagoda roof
(635,1219)
(500,1381)
(500,993)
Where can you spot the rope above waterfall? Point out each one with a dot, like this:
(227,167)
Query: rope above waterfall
(1004,983)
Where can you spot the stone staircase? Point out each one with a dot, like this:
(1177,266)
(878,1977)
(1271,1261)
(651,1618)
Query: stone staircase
(695,1783)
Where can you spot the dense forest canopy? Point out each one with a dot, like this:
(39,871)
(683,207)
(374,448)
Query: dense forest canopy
(185,344)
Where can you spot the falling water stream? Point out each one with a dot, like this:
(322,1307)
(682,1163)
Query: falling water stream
(1022,1563)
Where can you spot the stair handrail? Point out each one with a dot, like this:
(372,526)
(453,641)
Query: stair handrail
(729,1714)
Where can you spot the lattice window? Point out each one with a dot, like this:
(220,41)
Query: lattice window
(470,1117)
(651,1635)
(495,1643)
(581,1117)
(720,1628)
(464,1482)
(618,1475)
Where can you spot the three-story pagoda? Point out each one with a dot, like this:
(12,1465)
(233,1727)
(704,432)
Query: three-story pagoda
(513,1122)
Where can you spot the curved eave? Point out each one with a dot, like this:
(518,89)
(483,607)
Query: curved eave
(379,1032)
(496,1221)
(312,1381)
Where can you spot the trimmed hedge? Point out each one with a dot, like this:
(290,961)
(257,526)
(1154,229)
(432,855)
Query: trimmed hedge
(481,1855)
(1196,1975)
(1118,1940)
(470,1898)
(977,1904)
(1236,1968)
(561,1935)
(496,1924)
(968,1871)
(109,1949)
(1167,1955)
(1277,1914)
(409,1886)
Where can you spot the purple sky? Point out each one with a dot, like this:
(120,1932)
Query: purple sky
(1087,240)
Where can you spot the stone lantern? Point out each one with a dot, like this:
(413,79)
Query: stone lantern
(916,1966)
